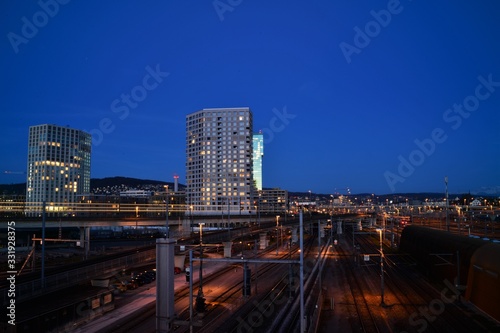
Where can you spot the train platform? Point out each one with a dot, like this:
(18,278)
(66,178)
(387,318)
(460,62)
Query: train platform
(132,303)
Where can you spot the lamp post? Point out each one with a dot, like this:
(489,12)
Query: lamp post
(258,208)
(331,220)
(310,205)
(447,205)
(382,303)
(277,239)
(167,231)
(201,232)
(191,218)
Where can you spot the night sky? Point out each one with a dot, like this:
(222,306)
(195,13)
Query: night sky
(378,96)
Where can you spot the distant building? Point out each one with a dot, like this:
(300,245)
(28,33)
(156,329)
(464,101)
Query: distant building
(258,153)
(136,193)
(273,201)
(475,203)
(219,173)
(58,168)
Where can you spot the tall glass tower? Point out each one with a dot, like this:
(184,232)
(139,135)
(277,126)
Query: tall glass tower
(219,175)
(58,168)
(258,153)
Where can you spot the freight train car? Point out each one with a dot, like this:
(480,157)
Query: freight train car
(470,262)
(440,254)
(483,285)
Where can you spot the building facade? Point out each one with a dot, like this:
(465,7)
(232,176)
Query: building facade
(273,201)
(58,169)
(219,172)
(258,153)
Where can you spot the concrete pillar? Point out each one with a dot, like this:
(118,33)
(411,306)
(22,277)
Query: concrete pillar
(164,284)
(227,249)
(322,231)
(186,226)
(339,227)
(87,242)
(263,240)
(82,237)
(295,238)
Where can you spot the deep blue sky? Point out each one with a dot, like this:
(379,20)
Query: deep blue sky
(350,120)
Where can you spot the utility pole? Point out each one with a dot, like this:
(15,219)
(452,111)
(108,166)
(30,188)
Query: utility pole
(191,291)
(382,303)
(200,299)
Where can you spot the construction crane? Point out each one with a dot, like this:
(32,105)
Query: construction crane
(14,172)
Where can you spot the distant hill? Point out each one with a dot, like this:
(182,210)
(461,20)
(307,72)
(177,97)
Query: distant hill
(13,189)
(115,185)
(108,185)
(117,181)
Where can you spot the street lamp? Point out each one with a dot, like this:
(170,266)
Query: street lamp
(382,303)
(331,220)
(258,208)
(447,205)
(277,239)
(167,232)
(201,232)
(191,218)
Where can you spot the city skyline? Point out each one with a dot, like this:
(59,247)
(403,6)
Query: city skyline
(386,97)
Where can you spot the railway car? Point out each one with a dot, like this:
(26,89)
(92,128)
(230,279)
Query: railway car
(483,285)
(440,254)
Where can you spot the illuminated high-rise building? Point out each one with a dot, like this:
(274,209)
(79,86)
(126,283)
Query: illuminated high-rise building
(258,153)
(58,168)
(219,175)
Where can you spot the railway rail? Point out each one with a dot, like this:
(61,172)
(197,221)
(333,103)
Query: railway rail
(216,315)
(358,291)
(414,303)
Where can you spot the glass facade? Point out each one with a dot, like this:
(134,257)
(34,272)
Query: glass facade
(258,153)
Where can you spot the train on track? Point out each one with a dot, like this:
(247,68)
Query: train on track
(469,263)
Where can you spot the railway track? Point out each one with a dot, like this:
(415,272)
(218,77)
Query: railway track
(291,321)
(426,309)
(441,301)
(358,289)
(400,299)
(217,314)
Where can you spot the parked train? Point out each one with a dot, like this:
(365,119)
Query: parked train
(472,263)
